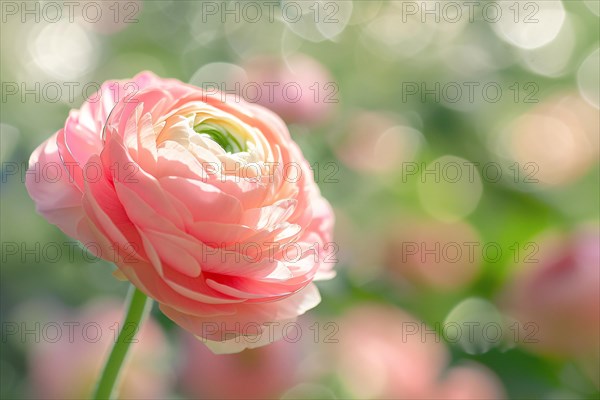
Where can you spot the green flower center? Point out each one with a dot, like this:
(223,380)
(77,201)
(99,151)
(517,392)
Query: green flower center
(221,136)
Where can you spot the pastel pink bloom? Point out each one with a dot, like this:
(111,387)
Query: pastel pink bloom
(557,295)
(66,362)
(205,205)
(377,143)
(385,353)
(303,90)
(261,373)
(433,254)
(568,126)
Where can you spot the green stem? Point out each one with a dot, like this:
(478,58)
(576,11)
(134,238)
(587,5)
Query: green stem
(139,307)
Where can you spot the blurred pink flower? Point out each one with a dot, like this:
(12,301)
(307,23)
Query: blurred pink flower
(560,294)
(377,142)
(261,373)
(385,353)
(303,89)
(68,366)
(443,256)
(568,127)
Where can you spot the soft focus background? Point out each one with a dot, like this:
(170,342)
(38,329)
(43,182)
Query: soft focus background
(459,147)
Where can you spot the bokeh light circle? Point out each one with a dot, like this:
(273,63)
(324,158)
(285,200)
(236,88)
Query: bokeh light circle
(552,59)
(449,188)
(64,50)
(316,21)
(529,25)
(588,78)
(475,325)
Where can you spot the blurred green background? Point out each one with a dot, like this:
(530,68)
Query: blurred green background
(388,91)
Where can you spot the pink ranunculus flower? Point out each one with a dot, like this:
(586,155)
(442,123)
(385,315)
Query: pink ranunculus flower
(206,205)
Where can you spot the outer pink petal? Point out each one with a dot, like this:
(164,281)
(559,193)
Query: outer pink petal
(255,318)
(58,200)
